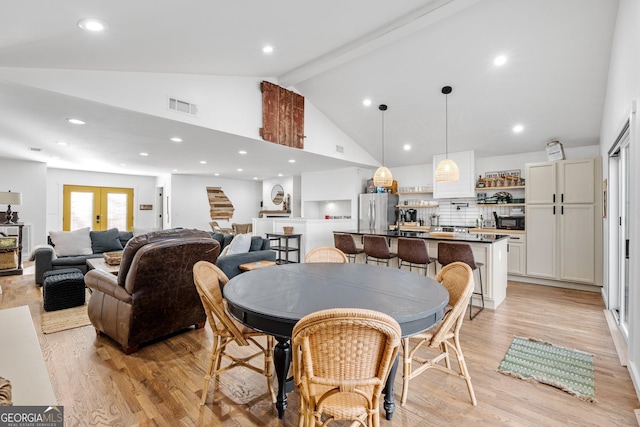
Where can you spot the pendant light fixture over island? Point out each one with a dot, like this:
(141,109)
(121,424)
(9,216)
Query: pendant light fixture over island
(383,177)
(447,170)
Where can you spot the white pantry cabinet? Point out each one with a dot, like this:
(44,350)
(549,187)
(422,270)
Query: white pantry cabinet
(562,220)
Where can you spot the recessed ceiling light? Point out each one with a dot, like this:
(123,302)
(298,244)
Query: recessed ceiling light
(123,164)
(55,157)
(176,139)
(292,161)
(239,169)
(279,174)
(242,152)
(93,25)
(174,170)
(216,174)
(255,177)
(267,49)
(518,128)
(203,162)
(407,147)
(366,102)
(144,154)
(500,60)
(75,121)
(62,143)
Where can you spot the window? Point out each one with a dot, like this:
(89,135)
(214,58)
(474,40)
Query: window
(99,208)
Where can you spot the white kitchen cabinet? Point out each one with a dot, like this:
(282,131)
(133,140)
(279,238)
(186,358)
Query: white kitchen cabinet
(465,186)
(563,226)
(516,255)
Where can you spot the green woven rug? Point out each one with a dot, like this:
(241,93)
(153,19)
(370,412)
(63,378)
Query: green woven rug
(563,368)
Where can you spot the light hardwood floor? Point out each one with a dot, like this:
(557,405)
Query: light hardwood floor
(160,385)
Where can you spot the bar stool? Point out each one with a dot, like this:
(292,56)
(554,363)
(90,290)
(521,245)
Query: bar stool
(376,247)
(347,244)
(452,252)
(413,252)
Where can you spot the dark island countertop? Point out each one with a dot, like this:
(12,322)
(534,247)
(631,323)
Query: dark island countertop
(462,237)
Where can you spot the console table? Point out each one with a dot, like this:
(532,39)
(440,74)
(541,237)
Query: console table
(17,270)
(283,247)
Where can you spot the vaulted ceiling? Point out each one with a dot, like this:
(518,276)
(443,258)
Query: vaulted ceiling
(336,54)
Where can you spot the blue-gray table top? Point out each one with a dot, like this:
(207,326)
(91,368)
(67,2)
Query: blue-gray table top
(273,299)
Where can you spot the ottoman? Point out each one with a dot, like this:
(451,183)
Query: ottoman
(63,289)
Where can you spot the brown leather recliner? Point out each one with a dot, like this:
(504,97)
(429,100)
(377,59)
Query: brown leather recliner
(154,294)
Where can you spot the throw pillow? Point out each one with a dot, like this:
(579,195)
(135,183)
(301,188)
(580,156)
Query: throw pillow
(105,241)
(239,245)
(70,243)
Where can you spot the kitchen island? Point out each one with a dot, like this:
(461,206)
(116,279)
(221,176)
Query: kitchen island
(488,249)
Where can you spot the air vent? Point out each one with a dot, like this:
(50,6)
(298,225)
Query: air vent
(182,106)
(339,148)
(35,149)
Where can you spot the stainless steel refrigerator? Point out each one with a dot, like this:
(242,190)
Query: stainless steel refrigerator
(377,211)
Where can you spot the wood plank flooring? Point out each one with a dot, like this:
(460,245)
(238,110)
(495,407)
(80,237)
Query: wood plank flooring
(160,385)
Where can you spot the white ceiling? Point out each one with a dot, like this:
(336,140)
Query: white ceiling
(335,53)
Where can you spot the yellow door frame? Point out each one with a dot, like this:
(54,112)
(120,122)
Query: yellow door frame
(100,195)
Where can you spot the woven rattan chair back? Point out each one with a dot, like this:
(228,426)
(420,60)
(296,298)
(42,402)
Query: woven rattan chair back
(241,228)
(444,338)
(413,252)
(326,254)
(341,360)
(209,280)
(347,244)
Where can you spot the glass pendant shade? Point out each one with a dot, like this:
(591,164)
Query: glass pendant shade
(447,171)
(383,177)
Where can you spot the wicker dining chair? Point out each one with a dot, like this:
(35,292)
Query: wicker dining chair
(347,244)
(341,360)
(208,280)
(444,338)
(326,254)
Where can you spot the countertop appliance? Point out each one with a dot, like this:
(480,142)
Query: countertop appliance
(377,211)
(450,229)
(411,215)
(509,222)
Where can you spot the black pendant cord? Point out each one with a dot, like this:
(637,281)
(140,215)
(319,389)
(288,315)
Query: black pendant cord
(382,108)
(446,90)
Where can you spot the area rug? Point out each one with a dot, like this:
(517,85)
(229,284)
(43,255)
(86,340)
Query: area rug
(61,320)
(564,368)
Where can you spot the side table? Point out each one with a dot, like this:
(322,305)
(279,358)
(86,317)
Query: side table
(284,247)
(256,265)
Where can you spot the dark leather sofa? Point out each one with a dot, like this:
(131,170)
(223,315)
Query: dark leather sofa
(153,294)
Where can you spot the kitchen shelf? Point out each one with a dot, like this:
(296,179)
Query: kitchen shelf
(513,187)
(416,206)
(500,204)
(415,192)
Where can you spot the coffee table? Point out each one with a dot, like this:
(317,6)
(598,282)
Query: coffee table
(100,264)
(255,265)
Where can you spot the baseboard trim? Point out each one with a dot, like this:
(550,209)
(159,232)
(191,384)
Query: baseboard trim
(555,283)
(618,340)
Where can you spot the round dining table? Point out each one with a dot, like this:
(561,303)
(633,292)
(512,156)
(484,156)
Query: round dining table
(273,299)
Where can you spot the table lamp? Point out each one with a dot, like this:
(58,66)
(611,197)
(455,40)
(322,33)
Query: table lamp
(8,198)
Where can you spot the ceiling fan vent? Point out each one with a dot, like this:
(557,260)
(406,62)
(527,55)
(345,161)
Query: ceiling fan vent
(182,106)
(339,148)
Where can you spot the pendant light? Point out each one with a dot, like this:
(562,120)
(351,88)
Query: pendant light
(383,177)
(447,170)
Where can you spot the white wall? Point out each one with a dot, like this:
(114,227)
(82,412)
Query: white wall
(143,193)
(287,183)
(28,178)
(338,184)
(190,204)
(624,87)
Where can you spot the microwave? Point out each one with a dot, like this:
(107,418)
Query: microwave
(510,222)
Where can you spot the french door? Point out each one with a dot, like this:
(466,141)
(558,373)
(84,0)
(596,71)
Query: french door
(98,208)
